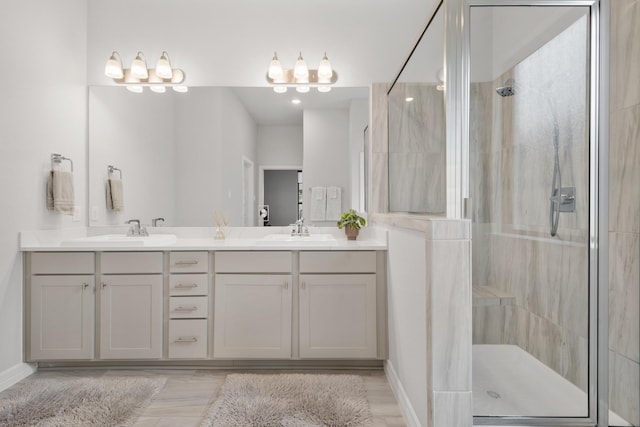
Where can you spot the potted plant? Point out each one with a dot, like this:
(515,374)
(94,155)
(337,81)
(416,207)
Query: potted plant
(352,223)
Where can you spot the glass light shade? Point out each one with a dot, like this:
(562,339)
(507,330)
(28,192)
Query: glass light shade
(178,76)
(181,89)
(300,70)
(158,89)
(280,89)
(139,67)
(325,71)
(113,68)
(163,67)
(324,89)
(134,88)
(302,89)
(275,68)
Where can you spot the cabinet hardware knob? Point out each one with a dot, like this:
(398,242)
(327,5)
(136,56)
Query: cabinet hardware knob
(181,308)
(186,262)
(104,285)
(85,285)
(186,339)
(186,285)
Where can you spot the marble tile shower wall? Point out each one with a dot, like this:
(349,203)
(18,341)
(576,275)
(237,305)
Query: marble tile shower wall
(417,149)
(624,211)
(512,162)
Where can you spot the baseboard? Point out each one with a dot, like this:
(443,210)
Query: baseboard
(406,408)
(16,374)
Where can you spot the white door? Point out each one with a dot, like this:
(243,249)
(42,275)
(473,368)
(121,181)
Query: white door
(131,316)
(252,316)
(338,316)
(62,317)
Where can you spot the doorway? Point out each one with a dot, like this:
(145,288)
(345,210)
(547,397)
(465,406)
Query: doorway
(281,195)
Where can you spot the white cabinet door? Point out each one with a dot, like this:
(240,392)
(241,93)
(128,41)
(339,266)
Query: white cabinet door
(338,316)
(131,317)
(252,316)
(62,317)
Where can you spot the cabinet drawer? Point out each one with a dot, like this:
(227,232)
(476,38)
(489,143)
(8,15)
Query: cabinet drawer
(188,307)
(189,262)
(188,339)
(338,262)
(62,263)
(188,284)
(253,262)
(130,262)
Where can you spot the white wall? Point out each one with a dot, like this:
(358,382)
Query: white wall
(40,113)
(358,120)
(326,156)
(407,312)
(280,146)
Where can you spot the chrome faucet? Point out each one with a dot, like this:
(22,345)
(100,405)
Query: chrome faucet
(299,229)
(154,221)
(136,229)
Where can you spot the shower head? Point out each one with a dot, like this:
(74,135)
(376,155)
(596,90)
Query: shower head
(507,89)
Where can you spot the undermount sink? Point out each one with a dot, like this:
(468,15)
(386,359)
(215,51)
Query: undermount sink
(286,238)
(122,240)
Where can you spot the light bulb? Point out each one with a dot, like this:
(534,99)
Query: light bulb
(134,88)
(302,89)
(409,98)
(324,69)
(158,89)
(275,68)
(324,89)
(181,89)
(139,67)
(295,101)
(300,71)
(113,68)
(280,89)
(163,67)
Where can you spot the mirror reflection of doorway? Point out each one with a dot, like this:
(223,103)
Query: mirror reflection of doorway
(281,194)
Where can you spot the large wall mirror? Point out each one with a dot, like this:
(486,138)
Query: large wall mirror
(184,156)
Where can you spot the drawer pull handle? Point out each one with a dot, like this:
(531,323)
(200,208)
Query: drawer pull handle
(181,308)
(186,339)
(186,285)
(187,262)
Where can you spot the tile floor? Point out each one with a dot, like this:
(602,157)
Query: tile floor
(188,393)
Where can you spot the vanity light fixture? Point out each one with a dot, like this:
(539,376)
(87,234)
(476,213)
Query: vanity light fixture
(301,77)
(139,76)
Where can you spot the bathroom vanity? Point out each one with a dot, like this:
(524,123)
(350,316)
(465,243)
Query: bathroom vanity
(204,300)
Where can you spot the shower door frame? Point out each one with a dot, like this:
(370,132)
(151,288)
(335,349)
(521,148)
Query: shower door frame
(457,36)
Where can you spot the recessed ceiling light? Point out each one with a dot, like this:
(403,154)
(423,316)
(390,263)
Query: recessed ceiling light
(295,101)
(408,99)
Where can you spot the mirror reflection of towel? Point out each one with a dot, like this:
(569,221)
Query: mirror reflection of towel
(60,195)
(115,195)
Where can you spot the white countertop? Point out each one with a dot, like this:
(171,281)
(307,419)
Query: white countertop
(198,239)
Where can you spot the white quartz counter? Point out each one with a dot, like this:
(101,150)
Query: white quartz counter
(99,239)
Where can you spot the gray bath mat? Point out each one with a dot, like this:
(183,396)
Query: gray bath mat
(290,400)
(71,402)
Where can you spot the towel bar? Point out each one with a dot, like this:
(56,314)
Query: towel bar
(111,169)
(56,159)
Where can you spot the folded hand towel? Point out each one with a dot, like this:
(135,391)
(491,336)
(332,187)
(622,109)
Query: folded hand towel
(334,203)
(60,195)
(115,195)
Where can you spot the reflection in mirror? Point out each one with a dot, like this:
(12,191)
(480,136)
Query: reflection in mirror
(185,156)
(417,128)
(529,142)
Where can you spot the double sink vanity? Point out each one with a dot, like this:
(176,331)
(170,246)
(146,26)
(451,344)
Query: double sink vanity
(180,295)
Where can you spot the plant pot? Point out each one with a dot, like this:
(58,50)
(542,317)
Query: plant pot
(351,232)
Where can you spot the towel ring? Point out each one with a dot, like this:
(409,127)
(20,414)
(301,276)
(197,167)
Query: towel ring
(57,159)
(111,169)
